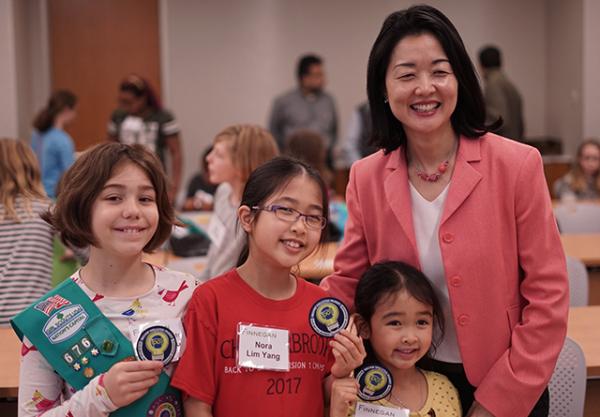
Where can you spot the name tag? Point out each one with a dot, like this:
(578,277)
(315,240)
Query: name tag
(263,348)
(216,231)
(370,410)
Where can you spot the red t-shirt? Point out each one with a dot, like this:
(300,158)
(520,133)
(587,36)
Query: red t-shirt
(208,370)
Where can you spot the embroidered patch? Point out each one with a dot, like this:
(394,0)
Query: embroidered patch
(328,316)
(375,382)
(157,343)
(52,303)
(166,405)
(65,323)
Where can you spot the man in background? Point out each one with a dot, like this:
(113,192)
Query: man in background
(502,99)
(306,107)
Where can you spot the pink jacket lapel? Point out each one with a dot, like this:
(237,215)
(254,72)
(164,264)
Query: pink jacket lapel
(465,178)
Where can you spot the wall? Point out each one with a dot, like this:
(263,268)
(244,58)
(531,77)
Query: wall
(227,60)
(8,71)
(591,65)
(32,62)
(565,71)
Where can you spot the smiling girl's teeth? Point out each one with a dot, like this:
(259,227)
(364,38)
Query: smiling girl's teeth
(291,243)
(424,107)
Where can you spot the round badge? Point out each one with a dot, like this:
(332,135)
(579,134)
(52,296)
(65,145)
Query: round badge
(375,382)
(156,343)
(166,405)
(328,316)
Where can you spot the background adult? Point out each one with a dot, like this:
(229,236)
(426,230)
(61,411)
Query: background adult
(307,106)
(469,208)
(358,136)
(583,181)
(50,142)
(140,118)
(502,99)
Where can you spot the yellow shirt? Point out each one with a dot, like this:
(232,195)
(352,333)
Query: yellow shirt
(442,399)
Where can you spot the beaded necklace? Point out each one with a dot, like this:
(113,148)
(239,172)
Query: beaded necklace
(441,169)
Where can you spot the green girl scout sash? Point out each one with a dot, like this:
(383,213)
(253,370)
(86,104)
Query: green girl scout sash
(79,342)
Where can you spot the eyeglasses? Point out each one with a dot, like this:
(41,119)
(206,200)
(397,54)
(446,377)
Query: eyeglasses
(591,158)
(291,215)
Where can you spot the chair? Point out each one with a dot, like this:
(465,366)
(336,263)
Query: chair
(578,217)
(578,282)
(568,382)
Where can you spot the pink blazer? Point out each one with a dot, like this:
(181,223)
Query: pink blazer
(502,254)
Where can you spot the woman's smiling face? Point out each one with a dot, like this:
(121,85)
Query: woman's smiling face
(420,85)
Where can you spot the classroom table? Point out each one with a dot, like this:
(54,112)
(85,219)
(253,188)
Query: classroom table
(584,328)
(10,353)
(319,264)
(586,247)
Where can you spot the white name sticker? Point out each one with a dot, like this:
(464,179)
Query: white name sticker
(216,231)
(370,410)
(263,348)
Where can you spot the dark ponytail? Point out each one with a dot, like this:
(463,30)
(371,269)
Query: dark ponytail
(59,101)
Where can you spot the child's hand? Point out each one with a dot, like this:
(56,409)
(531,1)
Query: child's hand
(343,396)
(348,351)
(125,382)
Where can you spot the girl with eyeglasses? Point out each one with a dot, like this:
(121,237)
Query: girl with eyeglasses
(583,182)
(230,368)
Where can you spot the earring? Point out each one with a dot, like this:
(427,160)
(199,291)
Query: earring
(385,99)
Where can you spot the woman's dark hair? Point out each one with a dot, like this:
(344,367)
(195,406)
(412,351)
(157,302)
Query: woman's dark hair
(58,101)
(469,116)
(140,87)
(83,182)
(385,279)
(271,177)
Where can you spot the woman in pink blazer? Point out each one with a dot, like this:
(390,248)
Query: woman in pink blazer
(469,208)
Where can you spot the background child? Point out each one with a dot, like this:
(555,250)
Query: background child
(583,182)
(51,143)
(114,199)
(309,146)
(25,239)
(283,211)
(237,151)
(200,191)
(396,312)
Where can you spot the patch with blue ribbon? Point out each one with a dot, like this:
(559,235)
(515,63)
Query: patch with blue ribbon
(156,343)
(328,316)
(374,382)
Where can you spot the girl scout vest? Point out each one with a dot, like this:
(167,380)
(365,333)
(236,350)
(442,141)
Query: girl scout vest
(79,342)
